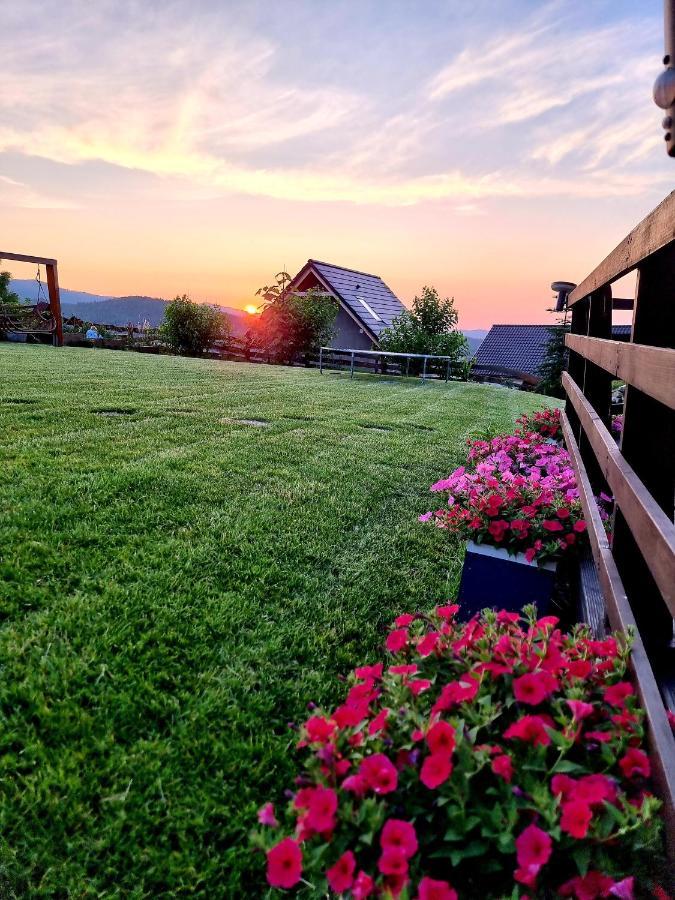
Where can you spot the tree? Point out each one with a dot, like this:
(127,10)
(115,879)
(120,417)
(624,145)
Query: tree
(6,295)
(272,292)
(555,361)
(430,327)
(192,328)
(292,324)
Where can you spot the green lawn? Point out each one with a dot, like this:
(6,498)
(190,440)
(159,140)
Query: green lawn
(175,586)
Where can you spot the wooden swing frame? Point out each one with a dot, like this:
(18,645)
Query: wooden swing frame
(51,267)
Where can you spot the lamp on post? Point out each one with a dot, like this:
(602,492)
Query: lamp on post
(664,86)
(563,289)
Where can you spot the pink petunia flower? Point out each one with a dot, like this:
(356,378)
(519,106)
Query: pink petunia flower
(341,875)
(284,864)
(436,769)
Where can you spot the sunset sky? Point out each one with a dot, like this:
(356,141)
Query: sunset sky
(486,147)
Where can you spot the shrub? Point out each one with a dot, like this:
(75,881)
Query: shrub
(293,324)
(497,758)
(555,361)
(6,294)
(429,327)
(193,328)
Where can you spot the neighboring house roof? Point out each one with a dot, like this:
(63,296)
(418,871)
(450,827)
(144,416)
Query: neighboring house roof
(366,296)
(520,348)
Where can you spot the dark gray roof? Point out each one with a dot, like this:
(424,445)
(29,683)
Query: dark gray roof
(520,348)
(352,287)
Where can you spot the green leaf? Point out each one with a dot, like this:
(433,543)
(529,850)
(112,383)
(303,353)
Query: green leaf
(566,765)
(581,854)
(473,848)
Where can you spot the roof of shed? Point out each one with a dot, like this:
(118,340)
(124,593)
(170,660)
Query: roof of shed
(367,296)
(520,348)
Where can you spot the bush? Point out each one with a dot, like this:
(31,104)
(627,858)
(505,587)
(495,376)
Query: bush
(192,328)
(497,758)
(429,327)
(7,295)
(293,324)
(555,362)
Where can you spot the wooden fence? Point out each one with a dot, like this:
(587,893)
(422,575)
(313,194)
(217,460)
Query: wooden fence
(636,568)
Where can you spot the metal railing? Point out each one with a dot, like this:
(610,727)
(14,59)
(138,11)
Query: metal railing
(380,358)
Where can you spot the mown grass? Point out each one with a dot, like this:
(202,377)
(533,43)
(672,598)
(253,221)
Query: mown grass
(175,586)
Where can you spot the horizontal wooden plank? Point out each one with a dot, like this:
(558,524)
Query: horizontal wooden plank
(650,369)
(21,257)
(652,234)
(660,737)
(653,531)
(623,303)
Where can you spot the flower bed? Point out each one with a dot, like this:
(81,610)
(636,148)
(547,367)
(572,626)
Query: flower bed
(516,491)
(496,758)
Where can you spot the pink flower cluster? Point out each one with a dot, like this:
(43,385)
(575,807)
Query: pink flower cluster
(516,491)
(500,750)
(545,422)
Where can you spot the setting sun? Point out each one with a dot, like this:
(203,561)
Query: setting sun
(251,309)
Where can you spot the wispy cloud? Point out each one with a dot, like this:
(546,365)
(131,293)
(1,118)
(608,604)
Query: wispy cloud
(21,196)
(186,98)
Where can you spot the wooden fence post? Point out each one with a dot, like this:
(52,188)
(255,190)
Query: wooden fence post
(55,302)
(648,445)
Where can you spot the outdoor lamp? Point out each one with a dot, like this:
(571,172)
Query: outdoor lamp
(664,86)
(563,289)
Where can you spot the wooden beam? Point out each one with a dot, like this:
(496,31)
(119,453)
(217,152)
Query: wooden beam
(653,233)
(654,532)
(659,734)
(650,369)
(55,302)
(648,446)
(21,257)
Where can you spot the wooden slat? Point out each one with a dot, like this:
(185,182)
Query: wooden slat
(654,532)
(650,369)
(55,302)
(660,737)
(653,233)
(21,257)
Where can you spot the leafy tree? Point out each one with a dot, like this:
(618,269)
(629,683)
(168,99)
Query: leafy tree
(192,328)
(555,361)
(6,295)
(272,292)
(430,327)
(292,324)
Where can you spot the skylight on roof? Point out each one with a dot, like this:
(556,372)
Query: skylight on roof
(369,309)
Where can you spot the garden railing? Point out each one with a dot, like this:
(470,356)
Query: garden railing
(636,568)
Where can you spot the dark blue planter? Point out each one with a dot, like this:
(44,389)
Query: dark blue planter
(491,577)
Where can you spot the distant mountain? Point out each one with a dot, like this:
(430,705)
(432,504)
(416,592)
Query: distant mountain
(27,289)
(122,310)
(478,333)
(475,339)
(117,310)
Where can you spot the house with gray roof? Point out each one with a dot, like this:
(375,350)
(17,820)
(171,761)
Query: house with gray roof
(367,305)
(516,353)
